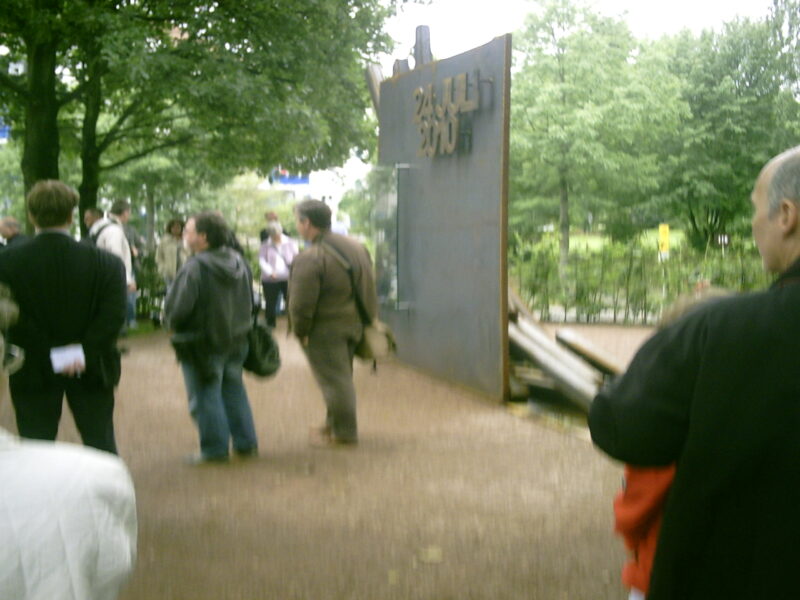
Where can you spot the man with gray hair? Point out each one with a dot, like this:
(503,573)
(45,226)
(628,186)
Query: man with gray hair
(275,259)
(717,393)
(10,230)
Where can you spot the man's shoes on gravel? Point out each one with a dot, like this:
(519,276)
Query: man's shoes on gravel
(322,437)
(196,460)
(246,454)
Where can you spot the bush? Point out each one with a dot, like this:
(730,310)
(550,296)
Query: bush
(625,282)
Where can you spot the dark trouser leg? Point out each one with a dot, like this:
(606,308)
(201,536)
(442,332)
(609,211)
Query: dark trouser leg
(93,411)
(207,408)
(330,354)
(272,290)
(236,403)
(37,412)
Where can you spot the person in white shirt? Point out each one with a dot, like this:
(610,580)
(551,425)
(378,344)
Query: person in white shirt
(275,259)
(68,526)
(109,234)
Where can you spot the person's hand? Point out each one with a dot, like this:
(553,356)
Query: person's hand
(132,287)
(74,370)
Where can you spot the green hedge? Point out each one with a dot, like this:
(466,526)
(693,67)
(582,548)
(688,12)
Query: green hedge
(625,282)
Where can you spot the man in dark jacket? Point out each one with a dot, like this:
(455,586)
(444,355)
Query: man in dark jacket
(324,316)
(72,305)
(209,307)
(718,394)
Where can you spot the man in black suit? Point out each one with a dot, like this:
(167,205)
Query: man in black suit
(71,298)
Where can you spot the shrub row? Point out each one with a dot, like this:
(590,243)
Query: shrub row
(625,282)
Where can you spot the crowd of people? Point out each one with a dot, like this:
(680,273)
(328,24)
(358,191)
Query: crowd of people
(705,417)
(73,300)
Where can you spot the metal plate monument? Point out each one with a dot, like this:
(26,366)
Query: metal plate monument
(441,249)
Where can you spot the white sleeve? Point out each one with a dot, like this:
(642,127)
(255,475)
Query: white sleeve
(67,521)
(113,239)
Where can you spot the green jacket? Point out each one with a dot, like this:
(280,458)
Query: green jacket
(320,291)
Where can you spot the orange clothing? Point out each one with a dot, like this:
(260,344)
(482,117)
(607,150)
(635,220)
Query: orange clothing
(638,509)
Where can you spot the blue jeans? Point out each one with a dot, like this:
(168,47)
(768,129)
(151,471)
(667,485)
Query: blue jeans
(219,404)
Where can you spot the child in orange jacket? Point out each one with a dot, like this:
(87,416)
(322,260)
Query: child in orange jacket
(638,509)
(639,506)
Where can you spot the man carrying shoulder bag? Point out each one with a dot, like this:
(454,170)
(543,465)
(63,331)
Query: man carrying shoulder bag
(325,316)
(209,307)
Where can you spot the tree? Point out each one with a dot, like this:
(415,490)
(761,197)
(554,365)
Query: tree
(233,84)
(587,108)
(11,185)
(361,202)
(742,112)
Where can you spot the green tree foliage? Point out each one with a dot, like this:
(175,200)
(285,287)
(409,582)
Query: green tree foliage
(742,112)
(587,107)
(232,84)
(606,129)
(360,203)
(11,185)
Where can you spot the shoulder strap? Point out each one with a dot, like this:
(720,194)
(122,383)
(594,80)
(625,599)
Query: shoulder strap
(362,312)
(94,236)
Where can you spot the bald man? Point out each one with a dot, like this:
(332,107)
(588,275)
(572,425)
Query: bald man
(718,393)
(10,230)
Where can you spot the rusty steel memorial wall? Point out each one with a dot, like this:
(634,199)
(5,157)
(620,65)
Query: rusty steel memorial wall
(441,250)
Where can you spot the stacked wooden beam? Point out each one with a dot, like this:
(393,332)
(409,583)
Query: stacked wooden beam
(573,368)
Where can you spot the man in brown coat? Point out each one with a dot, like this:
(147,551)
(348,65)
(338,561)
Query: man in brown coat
(324,315)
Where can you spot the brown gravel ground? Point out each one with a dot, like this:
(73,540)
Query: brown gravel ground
(447,496)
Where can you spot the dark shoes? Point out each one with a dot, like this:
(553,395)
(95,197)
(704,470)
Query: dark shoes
(196,460)
(323,437)
(245,454)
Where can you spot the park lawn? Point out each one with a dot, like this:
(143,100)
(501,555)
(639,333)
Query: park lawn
(595,241)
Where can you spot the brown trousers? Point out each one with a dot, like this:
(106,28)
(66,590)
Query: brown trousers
(330,353)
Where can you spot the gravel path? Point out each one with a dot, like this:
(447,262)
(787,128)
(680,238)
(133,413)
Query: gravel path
(447,496)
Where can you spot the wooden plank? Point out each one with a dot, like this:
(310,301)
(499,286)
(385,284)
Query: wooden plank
(589,351)
(581,368)
(534,377)
(574,384)
(517,305)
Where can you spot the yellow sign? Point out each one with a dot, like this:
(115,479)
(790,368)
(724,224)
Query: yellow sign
(663,239)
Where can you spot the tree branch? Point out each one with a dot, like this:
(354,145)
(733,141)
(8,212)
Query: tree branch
(145,151)
(111,135)
(10,83)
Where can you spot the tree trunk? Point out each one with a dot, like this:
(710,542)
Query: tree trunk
(41,140)
(90,152)
(563,254)
(150,224)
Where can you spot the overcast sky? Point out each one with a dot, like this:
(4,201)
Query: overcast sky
(459,25)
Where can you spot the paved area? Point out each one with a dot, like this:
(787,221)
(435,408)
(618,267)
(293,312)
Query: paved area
(447,496)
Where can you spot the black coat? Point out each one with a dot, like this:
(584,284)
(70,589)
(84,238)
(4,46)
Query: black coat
(67,293)
(718,392)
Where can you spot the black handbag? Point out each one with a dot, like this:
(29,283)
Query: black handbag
(263,355)
(191,347)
